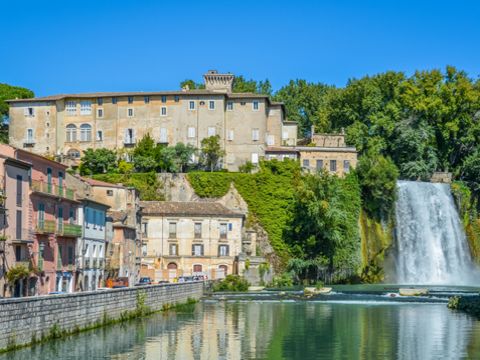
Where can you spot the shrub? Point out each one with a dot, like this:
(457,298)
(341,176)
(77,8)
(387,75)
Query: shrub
(232,283)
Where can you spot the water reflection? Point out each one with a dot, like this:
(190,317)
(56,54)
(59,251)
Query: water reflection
(274,330)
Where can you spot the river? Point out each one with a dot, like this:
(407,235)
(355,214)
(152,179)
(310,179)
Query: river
(278,330)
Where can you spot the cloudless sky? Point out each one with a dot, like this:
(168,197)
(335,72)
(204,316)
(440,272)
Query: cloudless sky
(79,46)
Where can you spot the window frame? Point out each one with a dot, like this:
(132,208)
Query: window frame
(229,105)
(132,110)
(190,103)
(211,104)
(255,105)
(162,112)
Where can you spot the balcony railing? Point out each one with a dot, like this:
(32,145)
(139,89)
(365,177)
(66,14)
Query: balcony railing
(46,227)
(69,230)
(52,189)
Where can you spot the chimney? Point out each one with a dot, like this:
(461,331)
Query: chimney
(218,82)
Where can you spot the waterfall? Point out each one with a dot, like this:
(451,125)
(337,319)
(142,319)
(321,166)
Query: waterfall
(431,244)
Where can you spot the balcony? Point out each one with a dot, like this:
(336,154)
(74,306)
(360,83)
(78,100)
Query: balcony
(45,227)
(69,230)
(129,142)
(23,261)
(52,189)
(28,142)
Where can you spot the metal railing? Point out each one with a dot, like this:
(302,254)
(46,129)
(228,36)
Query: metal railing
(52,189)
(46,226)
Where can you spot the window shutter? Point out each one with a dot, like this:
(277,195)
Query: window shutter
(125,138)
(25,111)
(134,135)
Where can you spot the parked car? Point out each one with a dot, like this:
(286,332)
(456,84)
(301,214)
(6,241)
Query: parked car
(117,283)
(164,282)
(185,279)
(144,281)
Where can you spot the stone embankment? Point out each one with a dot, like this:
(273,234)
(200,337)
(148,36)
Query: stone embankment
(25,321)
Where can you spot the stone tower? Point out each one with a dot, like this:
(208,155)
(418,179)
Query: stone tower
(218,82)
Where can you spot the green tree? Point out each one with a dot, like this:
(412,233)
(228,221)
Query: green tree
(212,152)
(146,154)
(378,176)
(9,92)
(304,104)
(470,172)
(325,224)
(183,154)
(192,85)
(98,161)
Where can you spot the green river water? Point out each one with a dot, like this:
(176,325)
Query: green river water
(279,330)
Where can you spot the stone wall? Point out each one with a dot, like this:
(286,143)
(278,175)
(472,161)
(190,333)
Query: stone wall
(26,320)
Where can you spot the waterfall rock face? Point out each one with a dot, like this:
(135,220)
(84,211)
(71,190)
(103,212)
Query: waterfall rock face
(431,243)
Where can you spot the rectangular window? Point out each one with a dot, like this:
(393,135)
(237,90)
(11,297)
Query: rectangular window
(191,105)
(41,216)
(71,108)
(145,229)
(230,135)
(229,105)
(306,163)
(211,131)
(255,105)
(346,166)
(163,111)
(85,107)
(146,99)
(164,99)
(99,135)
(163,135)
(130,112)
(223,250)
(270,140)
(198,230)
(285,135)
(319,164)
(19,190)
(129,136)
(254,158)
(109,192)
(100,113)
(173,249)
(18,229)
(191,132)
(223,231)
(18,253)
(255,134)
(172,230)
(197,250)
(130,99)
(29,139)
(94,219)
(71,216)
(60,219)
(29,111)
(114,100)
(333,165)
(177,98)
(211,105)
(70,255)
(100,101)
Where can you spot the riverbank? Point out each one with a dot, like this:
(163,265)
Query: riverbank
(25,321)
(467,304)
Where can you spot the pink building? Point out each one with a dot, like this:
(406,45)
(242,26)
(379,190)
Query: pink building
(52,223)
(16,240)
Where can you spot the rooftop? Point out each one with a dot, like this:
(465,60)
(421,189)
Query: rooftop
(191,208)
(94,182)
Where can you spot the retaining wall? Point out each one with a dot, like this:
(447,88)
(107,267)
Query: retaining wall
(24,320)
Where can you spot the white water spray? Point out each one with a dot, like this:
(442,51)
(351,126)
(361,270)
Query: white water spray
(431,243)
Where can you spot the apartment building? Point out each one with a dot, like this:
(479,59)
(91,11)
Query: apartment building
(190,238)
(323,152)
(66,125)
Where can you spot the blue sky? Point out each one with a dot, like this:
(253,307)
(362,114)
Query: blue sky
(79,46)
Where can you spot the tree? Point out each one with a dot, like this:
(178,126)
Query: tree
(8,92)
(211,152)
(98,161)
(470,172)
(377,176)
(304,102)
(192,85)
(325,223)
(145,155)
(183,154)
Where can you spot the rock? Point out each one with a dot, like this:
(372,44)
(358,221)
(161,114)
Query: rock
(256,288)
(413,292)
(309,291)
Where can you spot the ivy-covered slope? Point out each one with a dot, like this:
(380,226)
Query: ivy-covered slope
(268,193)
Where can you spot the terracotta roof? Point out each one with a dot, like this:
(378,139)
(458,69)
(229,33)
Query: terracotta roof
(94,182)
(192,208)
(117,216)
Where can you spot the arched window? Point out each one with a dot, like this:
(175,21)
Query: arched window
(73,153)
(224,269)
(197,268)
(85,132)
(172,266)
(71,133)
